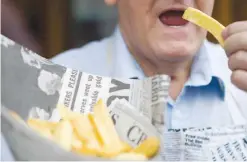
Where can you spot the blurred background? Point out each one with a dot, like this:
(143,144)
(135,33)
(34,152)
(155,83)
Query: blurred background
(49,27)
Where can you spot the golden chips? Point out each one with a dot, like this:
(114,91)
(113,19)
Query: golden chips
(148,147)
(201,19)
(111,143)
(63,134)
(92,134)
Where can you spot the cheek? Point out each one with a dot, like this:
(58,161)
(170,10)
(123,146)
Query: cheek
(135,18)
(205,6)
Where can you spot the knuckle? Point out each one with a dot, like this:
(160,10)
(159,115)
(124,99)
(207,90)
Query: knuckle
(238,61)
(239,39)
(235,77)
(242,37)
(236,43)
(231,27)
(239,56)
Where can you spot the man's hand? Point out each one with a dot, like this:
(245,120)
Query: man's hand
(235,36)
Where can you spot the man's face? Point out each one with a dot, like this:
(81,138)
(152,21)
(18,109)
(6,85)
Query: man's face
(155,28)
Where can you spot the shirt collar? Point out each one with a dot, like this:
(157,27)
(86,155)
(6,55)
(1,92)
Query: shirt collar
(201,72)
(204,68)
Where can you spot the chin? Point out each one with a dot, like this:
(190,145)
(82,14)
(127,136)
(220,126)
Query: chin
(177,51)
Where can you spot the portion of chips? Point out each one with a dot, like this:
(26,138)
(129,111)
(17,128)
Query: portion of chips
(92,134)
(63,134)
(103,124)
(148,147)
(44,131)
(203,20)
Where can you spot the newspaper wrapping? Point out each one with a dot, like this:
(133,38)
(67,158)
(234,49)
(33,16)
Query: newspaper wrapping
(193,144)
(80,92)
(235,150)
(44,85)
(135,106)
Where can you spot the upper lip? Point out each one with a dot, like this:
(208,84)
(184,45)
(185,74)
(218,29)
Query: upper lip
(173,8)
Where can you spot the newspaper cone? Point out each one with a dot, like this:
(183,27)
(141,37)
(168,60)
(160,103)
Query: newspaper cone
(33,86)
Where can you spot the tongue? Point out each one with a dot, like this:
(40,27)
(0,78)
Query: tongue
(173,18)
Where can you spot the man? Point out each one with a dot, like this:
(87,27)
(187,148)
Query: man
(152,38)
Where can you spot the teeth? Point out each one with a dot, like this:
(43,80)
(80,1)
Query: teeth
(177,26)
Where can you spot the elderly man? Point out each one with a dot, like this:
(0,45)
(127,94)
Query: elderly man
(152,38)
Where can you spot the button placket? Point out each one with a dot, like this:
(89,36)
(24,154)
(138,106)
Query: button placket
(179,116)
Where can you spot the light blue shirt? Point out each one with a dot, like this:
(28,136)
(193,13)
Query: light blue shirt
(207,99)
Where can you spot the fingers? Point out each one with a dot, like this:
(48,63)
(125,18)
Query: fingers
(235,36)
(236,42)
(237,27)
(238,61)
(239,78)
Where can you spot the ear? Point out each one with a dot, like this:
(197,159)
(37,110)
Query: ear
(110,2)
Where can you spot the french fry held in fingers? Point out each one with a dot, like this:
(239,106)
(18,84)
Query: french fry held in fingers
(92,134)
(203,20)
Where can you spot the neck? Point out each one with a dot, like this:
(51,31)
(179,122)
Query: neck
(178,71)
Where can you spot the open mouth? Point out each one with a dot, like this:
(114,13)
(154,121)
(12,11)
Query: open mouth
(173,18)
